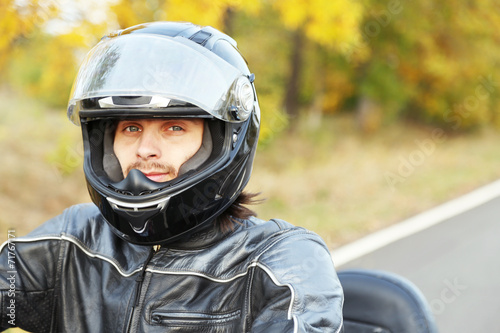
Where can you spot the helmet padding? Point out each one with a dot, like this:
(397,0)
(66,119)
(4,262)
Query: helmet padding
(202,155)
(110,162)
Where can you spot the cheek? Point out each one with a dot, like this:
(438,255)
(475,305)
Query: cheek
(194,146)
(185,151)
(122,153)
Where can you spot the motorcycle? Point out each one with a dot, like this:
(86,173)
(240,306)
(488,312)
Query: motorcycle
(383,302)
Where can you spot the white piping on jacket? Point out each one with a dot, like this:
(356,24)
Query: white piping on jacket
(252,264)
(75,242)
(124,274)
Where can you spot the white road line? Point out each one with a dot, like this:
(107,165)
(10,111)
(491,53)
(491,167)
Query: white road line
(415,224)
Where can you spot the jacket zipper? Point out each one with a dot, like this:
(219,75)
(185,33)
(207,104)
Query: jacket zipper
(189,318)
(138,286)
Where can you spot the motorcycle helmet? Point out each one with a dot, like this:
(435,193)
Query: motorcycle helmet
(161,70)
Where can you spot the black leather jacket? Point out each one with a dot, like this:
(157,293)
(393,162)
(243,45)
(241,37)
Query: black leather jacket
(73,274)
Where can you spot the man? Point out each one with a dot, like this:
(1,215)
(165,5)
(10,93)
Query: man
(170,123)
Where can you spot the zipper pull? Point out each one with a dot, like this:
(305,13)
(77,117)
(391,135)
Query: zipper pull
(140,278)
(138,287)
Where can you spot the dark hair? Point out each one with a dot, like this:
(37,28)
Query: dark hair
(237,211)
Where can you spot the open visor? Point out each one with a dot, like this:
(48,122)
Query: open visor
(166,69)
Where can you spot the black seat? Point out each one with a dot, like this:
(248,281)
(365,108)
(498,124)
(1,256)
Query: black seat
(382,302)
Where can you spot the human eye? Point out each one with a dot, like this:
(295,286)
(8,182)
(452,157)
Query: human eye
(175,128)
(131,128)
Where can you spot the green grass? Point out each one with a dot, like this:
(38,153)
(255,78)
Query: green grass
(329,178)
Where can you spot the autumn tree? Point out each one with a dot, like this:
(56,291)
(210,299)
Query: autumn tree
(430,61)
(435,62)
(327,24)
(18,20)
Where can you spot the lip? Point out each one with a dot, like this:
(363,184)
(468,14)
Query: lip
(157,176)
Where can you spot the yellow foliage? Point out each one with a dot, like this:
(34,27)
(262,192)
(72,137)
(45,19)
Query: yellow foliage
(207,12)
(203,12)
(60,68)
(329,23)
(46,66)
(426,54)
(338,86)
(10,28)
(20,21)
(130,12)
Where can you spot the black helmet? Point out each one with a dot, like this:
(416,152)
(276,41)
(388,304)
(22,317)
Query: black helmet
(166,69)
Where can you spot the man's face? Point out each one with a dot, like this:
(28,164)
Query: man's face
(157,147)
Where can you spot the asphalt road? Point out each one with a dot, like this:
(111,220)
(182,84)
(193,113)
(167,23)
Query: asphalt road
(456,265)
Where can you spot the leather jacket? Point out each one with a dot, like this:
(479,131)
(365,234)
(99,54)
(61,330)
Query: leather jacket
(73,274)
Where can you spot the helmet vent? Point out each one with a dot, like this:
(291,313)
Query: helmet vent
(122,191)
(134,102)
(138,207)
(125,192)
(201,37)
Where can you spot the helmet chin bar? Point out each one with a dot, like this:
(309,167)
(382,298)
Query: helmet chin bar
(137,214)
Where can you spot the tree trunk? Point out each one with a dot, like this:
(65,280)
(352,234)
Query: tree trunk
(228,21)
(291,102)
(315,112)
(368,115)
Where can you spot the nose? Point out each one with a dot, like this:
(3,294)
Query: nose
(148,146)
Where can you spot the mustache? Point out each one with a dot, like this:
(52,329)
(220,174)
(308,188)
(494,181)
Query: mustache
(155,166)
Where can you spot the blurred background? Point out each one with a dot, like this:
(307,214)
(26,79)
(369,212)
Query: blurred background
(372,110)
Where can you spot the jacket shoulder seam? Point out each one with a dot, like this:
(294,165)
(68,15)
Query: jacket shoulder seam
(288,233)
(79,244)
(92,254)
(278,283)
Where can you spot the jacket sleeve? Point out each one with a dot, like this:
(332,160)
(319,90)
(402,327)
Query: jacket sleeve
(296,288)
(28,268)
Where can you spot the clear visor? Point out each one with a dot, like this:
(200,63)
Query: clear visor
(170,68)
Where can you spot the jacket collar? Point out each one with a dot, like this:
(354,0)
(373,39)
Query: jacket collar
(204,237)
